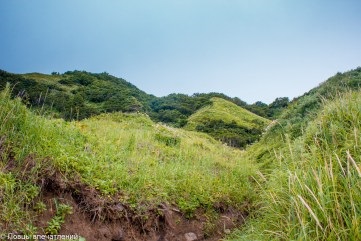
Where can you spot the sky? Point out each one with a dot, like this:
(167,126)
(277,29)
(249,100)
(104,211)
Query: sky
(256,50)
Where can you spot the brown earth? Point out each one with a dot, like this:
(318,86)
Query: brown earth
(97,218)
(104,218)
(168,226)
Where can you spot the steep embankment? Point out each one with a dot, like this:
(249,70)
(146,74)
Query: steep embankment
(309,182)
(116,177)
(228,123)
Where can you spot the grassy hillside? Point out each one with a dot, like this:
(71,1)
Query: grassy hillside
(313,192)
(122,176)
(77,94)
(294,120)
(310,160)
(306,107)
(155,163)
(228,122)
(114,168)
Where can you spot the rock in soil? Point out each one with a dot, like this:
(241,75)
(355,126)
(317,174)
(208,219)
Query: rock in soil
(190,236)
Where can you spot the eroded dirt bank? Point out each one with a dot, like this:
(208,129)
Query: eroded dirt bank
(104,219)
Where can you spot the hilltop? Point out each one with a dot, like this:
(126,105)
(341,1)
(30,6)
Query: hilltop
(228,123)
(76,94)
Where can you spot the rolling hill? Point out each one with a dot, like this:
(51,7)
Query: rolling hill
(228,123)
(75,95)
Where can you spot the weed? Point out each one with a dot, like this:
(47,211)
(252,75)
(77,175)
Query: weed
(54,225)
(40,207)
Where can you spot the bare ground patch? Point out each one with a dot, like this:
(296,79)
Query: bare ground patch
(104,218)
(99,218)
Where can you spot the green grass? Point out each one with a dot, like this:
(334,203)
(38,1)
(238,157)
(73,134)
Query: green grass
(226,111)
(314,191)
(303,175)
(228,123)
(156,163)
(27,141)
(126,154)
(50,79)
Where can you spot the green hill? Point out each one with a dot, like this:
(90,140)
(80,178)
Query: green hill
(77,94)
(115,170)
(294,120)
(307,106)
(228,122)
(80,94)
(309,163)
(121,176)
(311,190)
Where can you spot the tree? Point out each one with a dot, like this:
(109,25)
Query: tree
(278,105)
(133,105)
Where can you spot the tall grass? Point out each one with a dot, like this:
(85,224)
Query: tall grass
(25,137)
(156,163)
(315,191)
(146,163)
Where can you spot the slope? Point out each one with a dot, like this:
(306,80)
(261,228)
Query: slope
(228,122)
(117,172)
(314,189)
(309,162)
(77,94)
(296,117)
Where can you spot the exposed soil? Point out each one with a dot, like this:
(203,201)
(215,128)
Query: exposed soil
(169,226)
(104,218)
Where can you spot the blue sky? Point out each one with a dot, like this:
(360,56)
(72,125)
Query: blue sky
(252,49)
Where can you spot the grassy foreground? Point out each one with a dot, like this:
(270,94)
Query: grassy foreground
(156,163)
(314,189)
(122,155)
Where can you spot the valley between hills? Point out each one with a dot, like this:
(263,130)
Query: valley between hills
(90,154)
